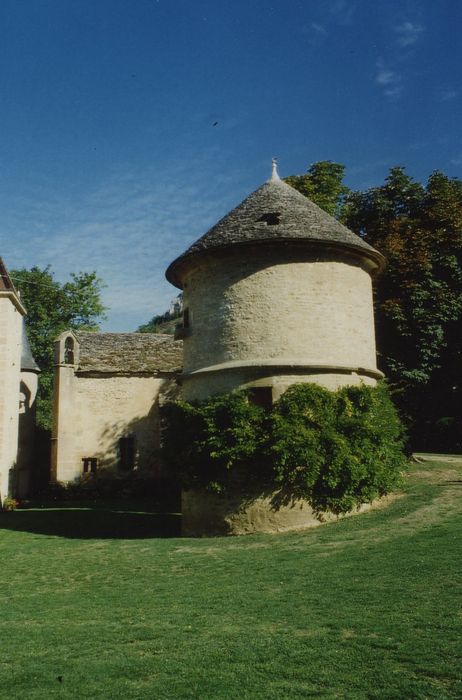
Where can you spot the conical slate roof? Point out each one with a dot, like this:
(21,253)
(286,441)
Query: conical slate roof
(275,212)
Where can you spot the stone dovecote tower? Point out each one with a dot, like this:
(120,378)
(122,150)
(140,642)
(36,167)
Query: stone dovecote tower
(277,292)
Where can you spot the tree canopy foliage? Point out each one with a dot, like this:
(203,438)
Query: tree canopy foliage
(418,228)
(323,184)
(52,308)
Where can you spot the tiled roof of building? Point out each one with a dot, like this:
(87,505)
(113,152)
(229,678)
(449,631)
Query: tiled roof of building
(128,353)
(276,212)
(7,289)
(5,280)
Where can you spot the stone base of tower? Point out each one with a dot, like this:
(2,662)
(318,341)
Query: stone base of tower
(206,514)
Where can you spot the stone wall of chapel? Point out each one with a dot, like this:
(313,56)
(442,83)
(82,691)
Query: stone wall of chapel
(10,366)
(93,413)
(259,308)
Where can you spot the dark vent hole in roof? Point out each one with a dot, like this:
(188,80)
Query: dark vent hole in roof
(271,219)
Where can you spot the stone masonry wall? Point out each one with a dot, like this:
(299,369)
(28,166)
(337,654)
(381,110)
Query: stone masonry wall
(94,412)
(10,364)
(259,309)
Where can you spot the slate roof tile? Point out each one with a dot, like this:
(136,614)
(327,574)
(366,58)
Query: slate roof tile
(128,353)
(5,279)
(275,212)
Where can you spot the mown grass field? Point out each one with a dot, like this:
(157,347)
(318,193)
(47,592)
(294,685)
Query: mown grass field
(97,603)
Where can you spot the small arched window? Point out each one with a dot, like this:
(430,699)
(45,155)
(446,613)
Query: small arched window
(69,351)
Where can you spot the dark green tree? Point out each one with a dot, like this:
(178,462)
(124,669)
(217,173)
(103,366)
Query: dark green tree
(52,308)
(323,184)
(419,297)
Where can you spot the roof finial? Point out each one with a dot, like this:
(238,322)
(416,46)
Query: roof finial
(274,173)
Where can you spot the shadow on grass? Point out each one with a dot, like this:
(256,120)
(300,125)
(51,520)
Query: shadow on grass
(99,522)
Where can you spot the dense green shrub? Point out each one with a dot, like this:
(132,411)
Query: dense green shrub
(216,443)
(336,449)
(340,448)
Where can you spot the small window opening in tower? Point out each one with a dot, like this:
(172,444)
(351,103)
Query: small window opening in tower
(271,218)
(69,351)
(186,318)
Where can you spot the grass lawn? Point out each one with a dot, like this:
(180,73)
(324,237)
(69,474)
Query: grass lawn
(107,603)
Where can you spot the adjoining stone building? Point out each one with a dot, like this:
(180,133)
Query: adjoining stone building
(108,388)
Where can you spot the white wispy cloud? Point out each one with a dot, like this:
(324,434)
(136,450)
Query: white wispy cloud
(343,11)
(334,13)
(385,77)
(388,80)
(318,28)
(392,82)
(408,33)
(128,230)
(448,94)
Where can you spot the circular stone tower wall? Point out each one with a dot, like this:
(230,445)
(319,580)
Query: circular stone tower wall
(273,316)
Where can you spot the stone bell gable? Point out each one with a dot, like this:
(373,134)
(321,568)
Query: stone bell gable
(277,292)
(108,388)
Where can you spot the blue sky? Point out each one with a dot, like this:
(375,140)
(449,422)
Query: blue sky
(129,127)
